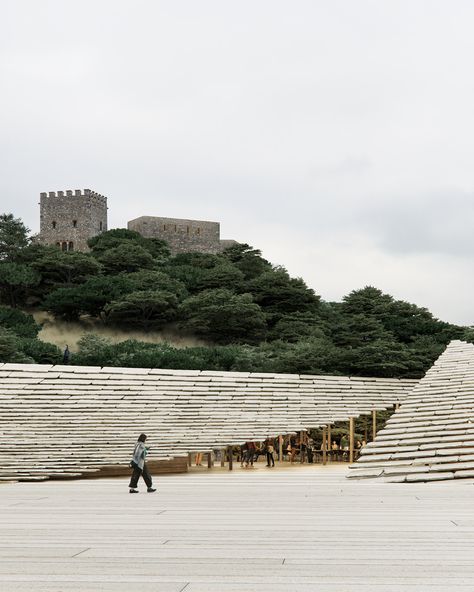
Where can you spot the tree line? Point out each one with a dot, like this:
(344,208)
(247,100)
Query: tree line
(253,315)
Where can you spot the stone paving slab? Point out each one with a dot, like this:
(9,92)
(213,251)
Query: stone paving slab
(298,529)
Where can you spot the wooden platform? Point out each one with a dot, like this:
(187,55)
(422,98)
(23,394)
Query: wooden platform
(304,529)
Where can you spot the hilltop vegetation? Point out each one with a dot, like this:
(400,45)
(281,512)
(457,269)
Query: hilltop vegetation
(254,316)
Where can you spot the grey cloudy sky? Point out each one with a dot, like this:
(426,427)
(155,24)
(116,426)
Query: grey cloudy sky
(337,136)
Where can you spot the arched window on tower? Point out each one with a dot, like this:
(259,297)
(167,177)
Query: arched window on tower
(70,246)
(74,223)
(100,225)
(54,224)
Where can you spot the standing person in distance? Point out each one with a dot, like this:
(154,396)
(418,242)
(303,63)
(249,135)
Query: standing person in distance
(66,355)
(139,467)
(251,448)
(270,450)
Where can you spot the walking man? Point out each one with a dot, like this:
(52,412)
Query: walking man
(139,467)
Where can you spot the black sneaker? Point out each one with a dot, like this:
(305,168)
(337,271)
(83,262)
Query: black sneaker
(134,491)
(151,490)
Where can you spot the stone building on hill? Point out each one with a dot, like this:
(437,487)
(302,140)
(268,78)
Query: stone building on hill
(182,236)
(69,219)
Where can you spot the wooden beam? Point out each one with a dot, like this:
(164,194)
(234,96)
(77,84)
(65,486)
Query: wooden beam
(190,460)
(280,448)
(229,454)
(223,457)
(329,443)
(374,424)
(351,440)
(324,445)
(301,447)
(209,460)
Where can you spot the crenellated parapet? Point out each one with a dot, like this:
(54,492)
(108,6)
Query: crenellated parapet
(85,193)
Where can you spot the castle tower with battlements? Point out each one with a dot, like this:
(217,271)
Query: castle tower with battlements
(69,219)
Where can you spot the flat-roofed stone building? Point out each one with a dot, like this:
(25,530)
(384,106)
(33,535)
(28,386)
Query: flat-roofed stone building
(182,236)
(69,218)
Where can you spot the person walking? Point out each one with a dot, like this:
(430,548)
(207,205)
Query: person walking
(139,467)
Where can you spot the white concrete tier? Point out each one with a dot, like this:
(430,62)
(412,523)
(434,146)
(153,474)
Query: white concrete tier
(58,420)
(431,436)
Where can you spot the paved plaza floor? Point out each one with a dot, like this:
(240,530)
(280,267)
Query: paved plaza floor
(298,529)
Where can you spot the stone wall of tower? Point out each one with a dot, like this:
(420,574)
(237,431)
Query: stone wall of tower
(70,218)
(182,236)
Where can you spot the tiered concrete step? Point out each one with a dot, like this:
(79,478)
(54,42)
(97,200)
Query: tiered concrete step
(64,420)
(431,436)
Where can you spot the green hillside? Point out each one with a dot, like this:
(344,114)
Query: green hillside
(253,315)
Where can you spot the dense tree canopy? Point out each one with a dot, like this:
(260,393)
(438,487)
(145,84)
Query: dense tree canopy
(112,239)
(143,308)
(18,322)
(15,279)
(279,295)
(224,317)
(126,258)
(252,315)
(13,237)
(58,267)
(248,260)
(155,280)
(10,350)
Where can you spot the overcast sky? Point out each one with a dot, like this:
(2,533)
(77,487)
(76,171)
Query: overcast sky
(336,136)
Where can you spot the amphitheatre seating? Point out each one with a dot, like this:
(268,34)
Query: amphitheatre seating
(431,436)
(66,421)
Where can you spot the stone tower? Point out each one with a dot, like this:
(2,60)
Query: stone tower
(69,219)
